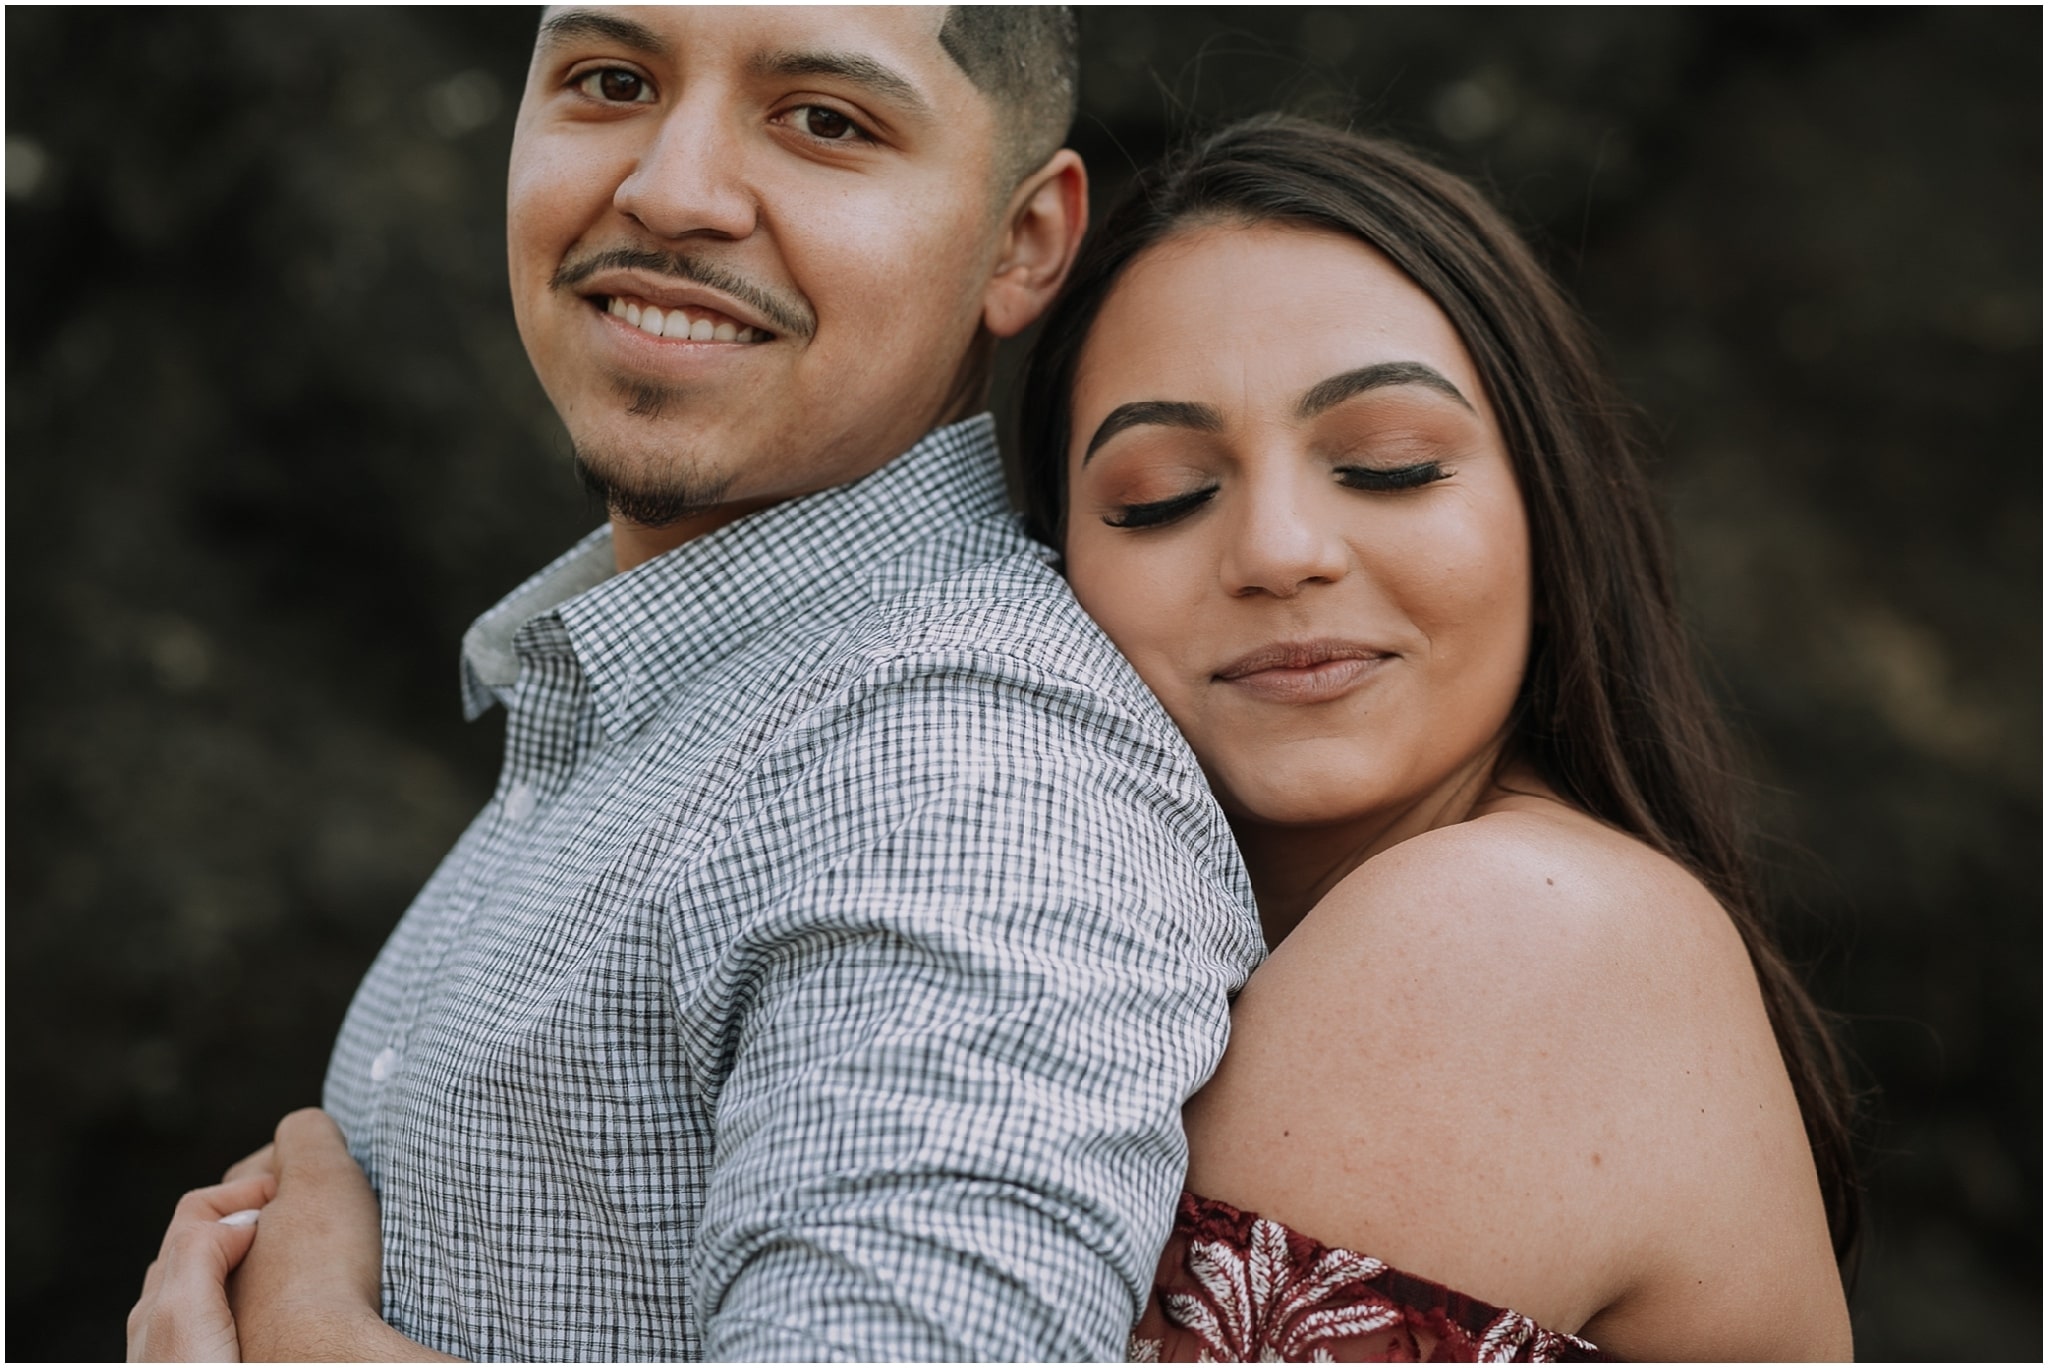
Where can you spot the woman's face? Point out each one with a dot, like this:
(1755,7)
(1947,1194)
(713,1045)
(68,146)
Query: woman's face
(1290,507)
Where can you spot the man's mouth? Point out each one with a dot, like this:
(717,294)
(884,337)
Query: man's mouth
(680,323)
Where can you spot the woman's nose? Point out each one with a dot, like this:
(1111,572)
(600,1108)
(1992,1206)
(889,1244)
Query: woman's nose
(1283,540)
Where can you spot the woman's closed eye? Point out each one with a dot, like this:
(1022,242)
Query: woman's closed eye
(1159,512)
(1373,479)
(1389,479)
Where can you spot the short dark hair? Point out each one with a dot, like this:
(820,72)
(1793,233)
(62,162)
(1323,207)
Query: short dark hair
(1027,60)
(1612,712)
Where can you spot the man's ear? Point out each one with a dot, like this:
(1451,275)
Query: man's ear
(1045,221)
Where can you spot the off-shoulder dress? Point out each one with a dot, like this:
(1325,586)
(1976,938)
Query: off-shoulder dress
(1235,1287)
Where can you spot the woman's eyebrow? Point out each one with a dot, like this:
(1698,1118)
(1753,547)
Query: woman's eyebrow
(1329,393)
(570,25)
(854,68)
(1160,412)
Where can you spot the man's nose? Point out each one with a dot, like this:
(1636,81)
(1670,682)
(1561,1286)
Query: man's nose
(691,178)
(1283,539)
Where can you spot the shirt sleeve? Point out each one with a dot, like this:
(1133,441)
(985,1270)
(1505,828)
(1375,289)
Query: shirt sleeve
(959,1042)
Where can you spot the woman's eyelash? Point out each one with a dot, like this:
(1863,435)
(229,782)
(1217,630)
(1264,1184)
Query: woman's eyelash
(1160,511)
(1380,478)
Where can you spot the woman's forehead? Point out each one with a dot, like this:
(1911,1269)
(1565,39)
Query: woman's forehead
(1262,313)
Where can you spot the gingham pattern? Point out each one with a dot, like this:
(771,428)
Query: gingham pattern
(825,976)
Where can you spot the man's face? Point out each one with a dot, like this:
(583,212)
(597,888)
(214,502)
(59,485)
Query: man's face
(809,191)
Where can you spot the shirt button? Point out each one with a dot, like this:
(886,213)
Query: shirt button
(383,1064)
(519,802)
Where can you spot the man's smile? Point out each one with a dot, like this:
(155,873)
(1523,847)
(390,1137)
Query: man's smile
(679,323)
(702,289)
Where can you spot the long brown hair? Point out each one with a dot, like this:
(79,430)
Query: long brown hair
(1612,712)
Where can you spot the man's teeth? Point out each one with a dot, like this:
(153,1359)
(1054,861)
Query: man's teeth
(681,324)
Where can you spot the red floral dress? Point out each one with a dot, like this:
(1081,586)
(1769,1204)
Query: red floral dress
(1237,1288)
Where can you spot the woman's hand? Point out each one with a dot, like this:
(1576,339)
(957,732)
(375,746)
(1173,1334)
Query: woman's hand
(183,1312)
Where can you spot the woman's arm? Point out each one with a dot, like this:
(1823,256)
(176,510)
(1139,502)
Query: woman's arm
(1526,1057)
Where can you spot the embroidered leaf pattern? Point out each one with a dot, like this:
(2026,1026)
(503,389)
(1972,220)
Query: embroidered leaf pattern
(1269,1260)
(1192,1313)
(1550,1346)
(1223,1274)
(1235,1287)
(1505,1338)
(1335,1323)
(1261,1307)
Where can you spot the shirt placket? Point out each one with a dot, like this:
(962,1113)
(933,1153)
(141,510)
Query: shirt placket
(548,729)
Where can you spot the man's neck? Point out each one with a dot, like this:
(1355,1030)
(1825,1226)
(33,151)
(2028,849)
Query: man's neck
(635,543)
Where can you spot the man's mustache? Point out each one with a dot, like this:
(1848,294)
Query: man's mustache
(792,316)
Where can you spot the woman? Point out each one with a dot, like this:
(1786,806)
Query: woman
(1328,458)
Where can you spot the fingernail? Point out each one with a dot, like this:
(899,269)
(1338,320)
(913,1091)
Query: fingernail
(242,1218)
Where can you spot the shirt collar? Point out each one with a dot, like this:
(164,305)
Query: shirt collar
(789,567)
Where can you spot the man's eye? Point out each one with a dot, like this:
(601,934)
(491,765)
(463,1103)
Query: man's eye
(616,85)
(828,124)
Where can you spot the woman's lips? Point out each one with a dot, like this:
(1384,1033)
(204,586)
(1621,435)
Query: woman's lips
(1307,672)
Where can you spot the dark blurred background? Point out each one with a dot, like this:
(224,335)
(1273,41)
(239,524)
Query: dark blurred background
(273,443)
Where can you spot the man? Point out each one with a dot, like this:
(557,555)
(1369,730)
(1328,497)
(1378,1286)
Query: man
(826,974)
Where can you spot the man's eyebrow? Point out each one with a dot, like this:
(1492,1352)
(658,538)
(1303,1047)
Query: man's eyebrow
(851,67)
(571,24)
(1329,393)
(1161,412)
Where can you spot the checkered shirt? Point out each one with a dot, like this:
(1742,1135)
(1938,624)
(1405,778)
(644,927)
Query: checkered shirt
(825,976)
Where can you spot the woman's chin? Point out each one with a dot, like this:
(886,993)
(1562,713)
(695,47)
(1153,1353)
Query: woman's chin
(1279,806)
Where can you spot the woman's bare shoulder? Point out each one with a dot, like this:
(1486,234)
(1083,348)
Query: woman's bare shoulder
(1518,1035)
(1570,893)
(1534,937)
